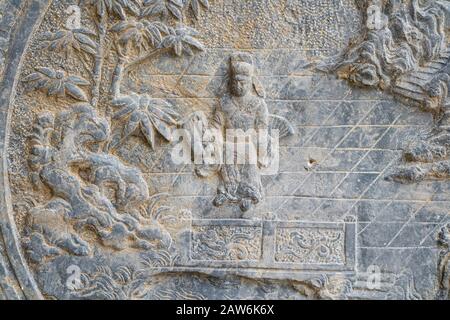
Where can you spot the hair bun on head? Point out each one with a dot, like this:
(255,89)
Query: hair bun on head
(242,57)
(242,63)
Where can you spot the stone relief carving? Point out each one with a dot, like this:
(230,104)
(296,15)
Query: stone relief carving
(310,245)
(425,159)
(128,283)
(57,83)
(89,189)
(444,256)
(404,51)
(69,153)
(242,114)
(94,204)
(226,243)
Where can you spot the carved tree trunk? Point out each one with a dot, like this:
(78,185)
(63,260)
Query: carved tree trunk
(117,77)
(97,74)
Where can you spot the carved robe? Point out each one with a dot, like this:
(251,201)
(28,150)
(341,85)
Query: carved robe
(241,181)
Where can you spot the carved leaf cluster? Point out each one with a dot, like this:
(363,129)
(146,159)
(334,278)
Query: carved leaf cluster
(115,7)
(196,5)
(57,83)
(64,40)
(182,39)
(142,34)
(163,8)
(142,113)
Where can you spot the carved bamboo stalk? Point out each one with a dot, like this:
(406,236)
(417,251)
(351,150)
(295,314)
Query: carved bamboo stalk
(98,66)
(117,77)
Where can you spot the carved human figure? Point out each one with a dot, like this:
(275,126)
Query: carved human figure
(241,138)
(242,108)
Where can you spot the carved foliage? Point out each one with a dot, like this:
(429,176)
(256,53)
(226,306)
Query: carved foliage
(92,189)
(57,83)
(140,112)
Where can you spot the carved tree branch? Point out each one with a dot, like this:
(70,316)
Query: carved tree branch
(98,65)
(117,77)
(122,67)
(146,56)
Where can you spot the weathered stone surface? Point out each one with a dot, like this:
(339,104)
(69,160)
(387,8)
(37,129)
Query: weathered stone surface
(347,197)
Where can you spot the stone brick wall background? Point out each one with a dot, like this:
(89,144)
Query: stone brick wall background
(351,136)
(332,170)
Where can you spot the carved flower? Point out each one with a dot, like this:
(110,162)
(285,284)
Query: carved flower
(57,83)
(140,33)
(196,6)
(365,74)
(142,113)
(163,8)
(115,7)
(66,40)
(182,39)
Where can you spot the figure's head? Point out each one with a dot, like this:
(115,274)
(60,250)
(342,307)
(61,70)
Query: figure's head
(241,79)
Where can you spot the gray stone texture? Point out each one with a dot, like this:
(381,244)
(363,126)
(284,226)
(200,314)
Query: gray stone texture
(93,205)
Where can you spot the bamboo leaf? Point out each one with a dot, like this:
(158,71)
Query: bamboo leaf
(194,43)
(168,41)
(150,2)
(47,71)
(78,81)
(75,92)
(125,100)
(118,9)
(84,39)
(54,87)
(178,47)
(161,27)
(195,8)
(132,124)
(163,129)
(148,131)
(41,84)
(178,3)
(122,25)
(205,3)
(88,49)
(124,112)
(85,31)
(175,10)
(32,77)
(162,115)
